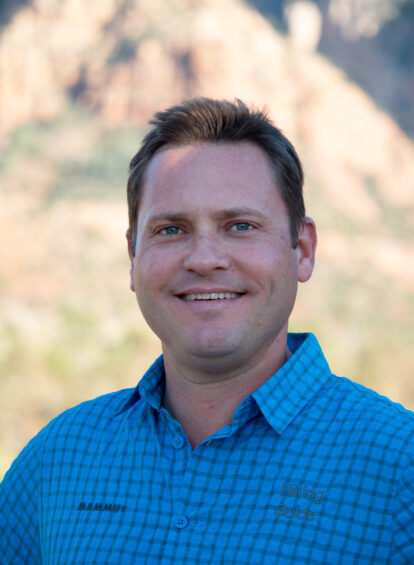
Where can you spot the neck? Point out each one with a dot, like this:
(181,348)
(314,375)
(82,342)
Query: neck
(203,402)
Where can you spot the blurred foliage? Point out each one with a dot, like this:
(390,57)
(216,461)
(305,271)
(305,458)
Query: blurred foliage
(70,327)
(90,339)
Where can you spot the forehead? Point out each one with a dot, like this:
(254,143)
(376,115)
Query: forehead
(230,167)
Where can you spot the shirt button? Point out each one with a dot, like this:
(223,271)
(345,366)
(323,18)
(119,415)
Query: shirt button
(180,521)
(178,441)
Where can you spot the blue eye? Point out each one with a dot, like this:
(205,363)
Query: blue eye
(241,226)
(170,230)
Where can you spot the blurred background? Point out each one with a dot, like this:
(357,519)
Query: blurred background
(78,81)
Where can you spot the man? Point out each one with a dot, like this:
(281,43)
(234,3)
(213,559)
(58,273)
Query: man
(238,445)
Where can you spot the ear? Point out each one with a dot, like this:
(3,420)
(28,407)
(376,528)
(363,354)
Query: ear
(306,247)
(132,260)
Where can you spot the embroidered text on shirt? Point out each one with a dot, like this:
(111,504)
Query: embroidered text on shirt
(295,491)
(101,507)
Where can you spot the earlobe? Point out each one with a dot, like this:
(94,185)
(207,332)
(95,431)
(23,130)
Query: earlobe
(132,260)
(306,247)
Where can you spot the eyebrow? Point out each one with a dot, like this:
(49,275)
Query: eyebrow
(222,214)
(234,212)
(167,217)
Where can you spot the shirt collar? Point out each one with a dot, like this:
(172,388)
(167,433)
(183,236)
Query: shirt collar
(279,399)
(150,388)
(286,393)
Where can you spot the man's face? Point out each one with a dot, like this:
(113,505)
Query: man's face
(214,270)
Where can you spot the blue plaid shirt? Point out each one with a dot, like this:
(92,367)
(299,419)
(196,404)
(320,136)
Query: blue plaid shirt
(314,469)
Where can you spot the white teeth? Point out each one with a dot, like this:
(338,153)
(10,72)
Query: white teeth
(211,296)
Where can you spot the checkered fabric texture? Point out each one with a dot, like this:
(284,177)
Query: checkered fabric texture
(314,469)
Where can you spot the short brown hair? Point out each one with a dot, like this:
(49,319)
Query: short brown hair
(201,120)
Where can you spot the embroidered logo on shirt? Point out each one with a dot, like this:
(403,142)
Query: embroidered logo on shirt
(299,511)
(101,507)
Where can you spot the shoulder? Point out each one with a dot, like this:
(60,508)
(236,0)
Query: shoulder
(366,398)
(105,406)
(78,426)
(367,415)
(88,417)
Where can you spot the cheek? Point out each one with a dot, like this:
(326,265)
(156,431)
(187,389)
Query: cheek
(279,277)
(265,265)
(152,271)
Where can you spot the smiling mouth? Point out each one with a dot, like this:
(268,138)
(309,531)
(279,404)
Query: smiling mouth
(211,296)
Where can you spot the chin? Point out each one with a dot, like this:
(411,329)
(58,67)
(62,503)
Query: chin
(211,349)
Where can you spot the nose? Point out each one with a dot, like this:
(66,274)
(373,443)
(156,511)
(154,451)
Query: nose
(206,255)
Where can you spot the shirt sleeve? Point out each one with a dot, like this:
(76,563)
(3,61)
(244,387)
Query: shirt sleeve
(19,509)
(403,535)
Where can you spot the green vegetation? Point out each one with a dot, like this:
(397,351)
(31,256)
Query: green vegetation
(70,326)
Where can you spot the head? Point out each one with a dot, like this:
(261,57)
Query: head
(201,120)
(218,240)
